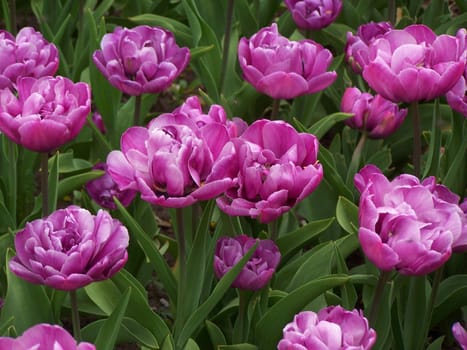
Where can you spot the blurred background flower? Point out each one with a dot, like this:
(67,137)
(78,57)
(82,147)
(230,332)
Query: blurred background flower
(314,14)
(460,334)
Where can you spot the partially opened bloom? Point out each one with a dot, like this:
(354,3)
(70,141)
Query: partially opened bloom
(141,60)
(314,14)
(44,337)
(373,114)
(27,55)
(258,270)
(99,122)
(103,190)
(460,334)
(413,64)
(170,162)
(45,113)
(281,68)
(333,328)
(457,96)
(70,249)
(356,48)
(275,167)
(405,224)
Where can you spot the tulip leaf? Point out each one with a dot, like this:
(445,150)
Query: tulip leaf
(452,294)
(331,175)
(104,294)
(191,345)
(6,16)
(153,254)
(243,346)
(415,310)
(437,344)
(201,313)
(27,303)
(215,334)
(347,215)
(321,127)
(432,164)
(75,182)
(168,343)
(67,163)
(269,328)
(108,334)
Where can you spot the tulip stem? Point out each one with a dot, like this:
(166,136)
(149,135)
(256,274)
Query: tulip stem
(75,315)
(275,108)
(12,155)
(137,112)
(377,296)
(45,183)
(240,328)
(417,135)
(226,45)
(356,157)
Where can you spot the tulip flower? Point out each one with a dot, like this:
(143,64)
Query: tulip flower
(44,337)
(170,162)
(314,14)
(275,167)
(99,122)
(413,64)
(356,48)
(45,113)
(460,334)
(258,270)
(281,68)
(374,115)
(103,190)
(141,60)
(70,249)
(331,328)
(406,224)
(457,96)
(27,55)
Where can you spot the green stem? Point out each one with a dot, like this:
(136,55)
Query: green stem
(12,5)
(379,291)
(240,327)
(275,108)
(45,183)
(75,315)
(12,149)
(180,232)
(137,112)
(226,44)
(392,11)
(273,230)
(417,136)
(356,157)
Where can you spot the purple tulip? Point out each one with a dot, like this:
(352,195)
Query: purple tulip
(356,48)
(141,60)
(45,113)
(375,115)
(258,270)
(99,122)
(70,249)
(333,328)
(457,96)
(281,68)
(275,167)
(44,337)
(460,334)
(314,14)
(413,64)
(407,225)
(103,190)
(27,55)
(171,161)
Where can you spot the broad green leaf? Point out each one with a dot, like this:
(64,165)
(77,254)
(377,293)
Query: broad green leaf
(168,343)
(320,128)
(331,175)
(347,215)
(452,294)
(104,294)
(75,182)
(415,311)
(153,254)
(191,345)
(437,344)
(68,163)
(108,334)
(215,334)
(269,328)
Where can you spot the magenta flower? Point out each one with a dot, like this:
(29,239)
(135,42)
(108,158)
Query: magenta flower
(460,334)
(44,337)
(407,225)
(275,167)
(457,96)
(258,270)
(413,64)
(171,161)
(356,48)
(374,115)
(281,68)
(314,14)
(99,122)
(27,55)
(103,190)
(141,60)
(45,113)
(70,249)
(333,328)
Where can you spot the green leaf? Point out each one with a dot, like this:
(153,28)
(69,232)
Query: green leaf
(104,294)
(347,215)
(204,309)
(452,294)
(75,182)
(437,344)
(67,163)
(269,327)
(415,310)
(432,164)
(243,346)
(331,175)
(321,127)
(215,334)
(191,345)
(153,254)
(109,332)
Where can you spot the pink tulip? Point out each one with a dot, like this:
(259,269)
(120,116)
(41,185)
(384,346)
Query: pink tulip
(314,14)
(460,334)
